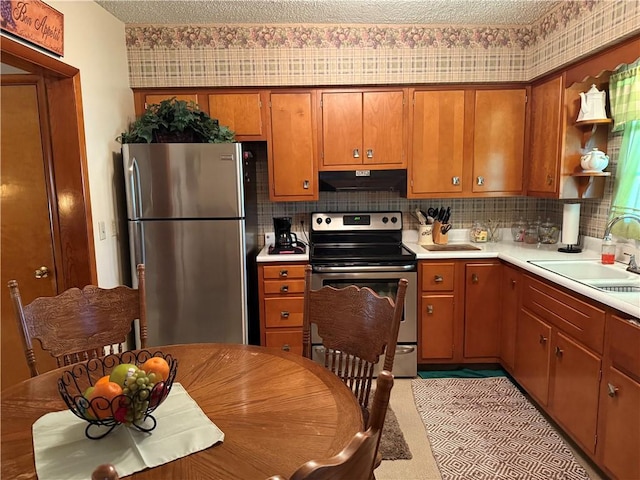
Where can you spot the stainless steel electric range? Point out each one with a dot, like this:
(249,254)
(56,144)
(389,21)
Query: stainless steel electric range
(365,249)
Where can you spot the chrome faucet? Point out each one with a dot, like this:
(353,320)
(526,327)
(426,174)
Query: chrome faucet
(633,266)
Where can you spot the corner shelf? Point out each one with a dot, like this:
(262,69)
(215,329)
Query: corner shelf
(585,179)
(587,132)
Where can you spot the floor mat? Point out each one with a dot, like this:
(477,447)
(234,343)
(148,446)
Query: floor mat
(462,373)
(485,428)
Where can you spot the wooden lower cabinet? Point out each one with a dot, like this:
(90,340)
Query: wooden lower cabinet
(533,347)
(482,308)
(437,333)
(281,299)
(510,289)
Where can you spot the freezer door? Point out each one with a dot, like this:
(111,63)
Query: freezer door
(183,180)
(195,279)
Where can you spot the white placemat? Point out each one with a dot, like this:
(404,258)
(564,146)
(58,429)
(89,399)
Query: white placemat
(62,451)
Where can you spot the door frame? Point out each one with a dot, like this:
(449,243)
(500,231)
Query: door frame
(65,163)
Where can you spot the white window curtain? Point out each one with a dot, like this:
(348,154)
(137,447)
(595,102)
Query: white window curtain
(624,92)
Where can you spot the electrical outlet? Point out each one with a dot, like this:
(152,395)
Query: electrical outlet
(269,238)
(114,228)
(102,232)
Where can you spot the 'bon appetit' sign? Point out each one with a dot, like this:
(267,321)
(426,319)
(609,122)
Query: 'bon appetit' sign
(34,21)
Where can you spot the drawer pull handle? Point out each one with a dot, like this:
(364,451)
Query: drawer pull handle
(455,180)
(286,347)
(370,153)
(543,339)
(613,390)
(438,278)
(306,184)
(549,179)
(429,309)
(284,288)
(356,153)
(475,278)
(559,352)
(284,314)
(284,273)
(480,180)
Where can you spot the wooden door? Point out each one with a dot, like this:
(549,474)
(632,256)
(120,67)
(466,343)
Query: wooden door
(574,389)
(341,130)
(510,290)
(437,319)
(383,128)
(26,231)
(546,133)
(241,112)
(437,152)
(483,299)
(498,141)
(533,340)
(292,147)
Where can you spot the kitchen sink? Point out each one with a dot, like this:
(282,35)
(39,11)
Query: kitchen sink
(588,271)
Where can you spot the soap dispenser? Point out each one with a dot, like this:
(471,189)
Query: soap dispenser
(608,256)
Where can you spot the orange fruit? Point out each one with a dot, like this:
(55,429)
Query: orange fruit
(104,379)
(101,397)
(157,365)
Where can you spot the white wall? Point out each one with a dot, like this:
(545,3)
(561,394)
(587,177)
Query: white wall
(94,43)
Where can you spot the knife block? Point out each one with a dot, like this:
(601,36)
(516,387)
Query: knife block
(439,238)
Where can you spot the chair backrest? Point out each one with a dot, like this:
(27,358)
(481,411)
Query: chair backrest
(79,324)
(357,460)
(357,326)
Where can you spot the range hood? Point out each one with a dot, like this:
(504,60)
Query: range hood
(364,181)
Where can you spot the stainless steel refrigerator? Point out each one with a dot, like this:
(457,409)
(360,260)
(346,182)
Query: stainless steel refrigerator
(192,218)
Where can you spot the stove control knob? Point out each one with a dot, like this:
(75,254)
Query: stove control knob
(394,219)
(319,220)
(385,220)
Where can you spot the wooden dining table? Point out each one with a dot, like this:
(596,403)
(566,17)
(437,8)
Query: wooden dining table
(276,409)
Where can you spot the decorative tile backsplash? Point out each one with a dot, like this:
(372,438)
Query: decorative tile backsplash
(310,55)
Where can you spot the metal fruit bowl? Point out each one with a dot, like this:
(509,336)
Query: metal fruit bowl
(133,408)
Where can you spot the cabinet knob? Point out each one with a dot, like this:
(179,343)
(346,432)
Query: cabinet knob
(549,179)
(543,339)
(286,347)
(480,180)
(455,180)
(438,278)
(284,314)
(356,153)
(559,352)
(474,278)
(306,184)
(284,288)
(613,390)
(513,283)
(284,273)
(42,272)
(429,308)
(370,153)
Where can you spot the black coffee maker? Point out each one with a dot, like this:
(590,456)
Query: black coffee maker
(285,242)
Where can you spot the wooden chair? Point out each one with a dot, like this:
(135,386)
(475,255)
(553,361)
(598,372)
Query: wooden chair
(79,324)
(357,326)
(357,460)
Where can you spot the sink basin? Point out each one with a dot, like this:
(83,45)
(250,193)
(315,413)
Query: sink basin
(588,271)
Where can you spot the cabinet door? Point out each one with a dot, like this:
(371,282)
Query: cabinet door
(619,434)
(436,329)
(341,129)
(510,292)
(437,142)
(533,340)
(546,132)
(241,112)
(143,99)
(575,382)
(292,152)
(498,141)
(287,340)
(383,128)
(483,300)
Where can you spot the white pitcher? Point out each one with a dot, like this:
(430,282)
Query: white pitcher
(592,105)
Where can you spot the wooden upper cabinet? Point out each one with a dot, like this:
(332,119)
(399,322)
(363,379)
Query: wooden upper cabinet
(498,141)
(437,143)
(292,150)
(362,129)
(142,99)
(241,112)
(547,126)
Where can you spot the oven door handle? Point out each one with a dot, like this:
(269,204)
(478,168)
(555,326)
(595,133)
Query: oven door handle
(365,268)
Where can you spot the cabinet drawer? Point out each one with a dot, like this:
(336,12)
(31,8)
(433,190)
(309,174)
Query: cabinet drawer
(624,346)
(289,340)
(582,321)
(283,311)
(283,271)
(437,277)
(283,286)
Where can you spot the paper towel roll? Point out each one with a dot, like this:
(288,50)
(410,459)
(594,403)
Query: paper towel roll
(570,223)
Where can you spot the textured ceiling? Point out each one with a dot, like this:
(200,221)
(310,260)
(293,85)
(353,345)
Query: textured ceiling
(376,12)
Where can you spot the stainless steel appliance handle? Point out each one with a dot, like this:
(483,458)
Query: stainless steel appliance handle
(372,268)
(138,254)
(134,182)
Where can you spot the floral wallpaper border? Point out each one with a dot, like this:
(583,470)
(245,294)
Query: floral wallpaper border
(331,36)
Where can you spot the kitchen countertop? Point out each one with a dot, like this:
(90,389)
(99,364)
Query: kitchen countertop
(516,253)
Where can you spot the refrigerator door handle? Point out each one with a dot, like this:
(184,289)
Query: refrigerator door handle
(134,184)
